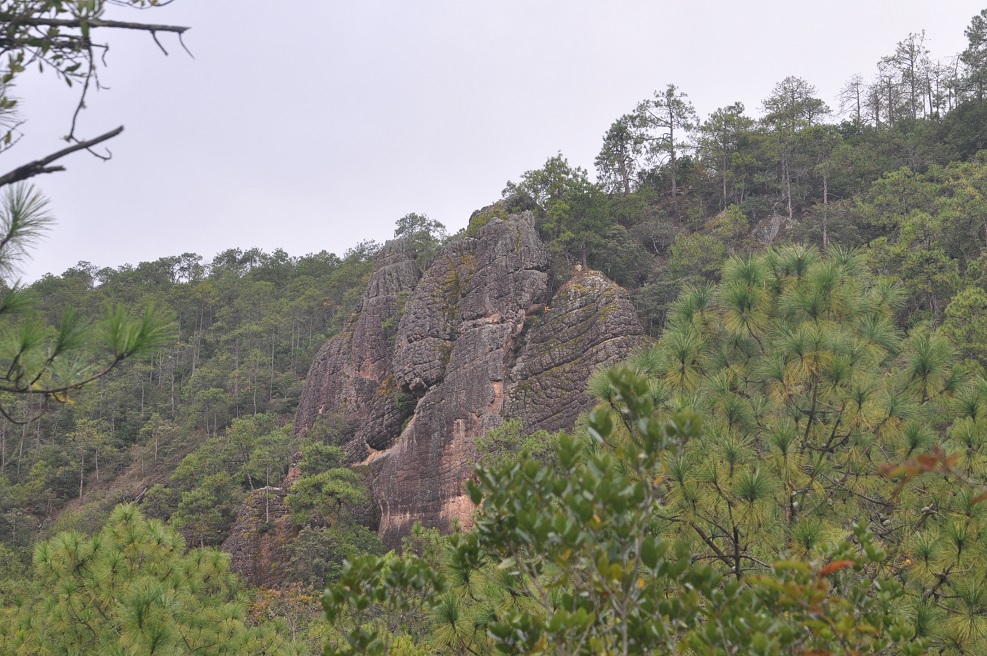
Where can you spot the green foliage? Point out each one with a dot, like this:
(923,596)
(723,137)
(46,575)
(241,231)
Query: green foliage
(575,561)
(24,218)
(507,440)
(966,323)
(653,301)
(964,130)
(318,457)
(974,57)
(932,227)
(808,390)
(246,329)
(572,211)
(620,158)
(723,139)
(623,259)
(795,361)
(696,257)
(662,123)
(331,504)
(210,483)
(423,235)
(207,511)
(331,429)
(332,496)
(131,589)
(318,553)
(482,217)
(51,361)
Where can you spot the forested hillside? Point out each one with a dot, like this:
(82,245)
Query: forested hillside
(792,465)
(246,326)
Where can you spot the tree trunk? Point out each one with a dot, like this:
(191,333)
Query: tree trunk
(724,181)
(738,569)
(20,447)
(672,167)
(788,182)
(236,377)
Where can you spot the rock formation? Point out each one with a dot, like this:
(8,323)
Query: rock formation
(431,364)
(352,372)
(590,323)
(258,542)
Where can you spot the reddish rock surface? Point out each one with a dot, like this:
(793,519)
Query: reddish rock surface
(431,364)
(352,372)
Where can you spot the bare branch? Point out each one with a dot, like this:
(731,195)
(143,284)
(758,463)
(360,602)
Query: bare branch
(91,22)
(20,422)
(40,166)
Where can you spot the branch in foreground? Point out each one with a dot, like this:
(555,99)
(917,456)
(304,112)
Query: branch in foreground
(90,22)
(40,166)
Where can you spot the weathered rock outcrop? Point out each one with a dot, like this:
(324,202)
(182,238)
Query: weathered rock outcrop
(589,324)
(259,541)
(767,229)
(352,372)
(477,341)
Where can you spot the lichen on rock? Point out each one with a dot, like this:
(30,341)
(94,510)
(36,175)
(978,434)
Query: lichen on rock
(477,341)
(589,323)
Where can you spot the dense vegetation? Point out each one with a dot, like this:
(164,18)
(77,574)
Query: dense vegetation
(818,288)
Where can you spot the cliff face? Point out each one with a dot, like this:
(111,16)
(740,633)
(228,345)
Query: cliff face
(258,542)
(476,341)
(352,372)
(590,323)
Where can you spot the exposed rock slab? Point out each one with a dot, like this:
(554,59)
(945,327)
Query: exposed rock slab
(590,323)
(352,372)
(767,229)
(474,344)
(454,347)
(259,540)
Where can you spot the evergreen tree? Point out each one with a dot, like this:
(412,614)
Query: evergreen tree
(573,558)
(131,589)
(572,211)
(809,394)
(721,140)
(664,122)
(974,57)
(789,109)
(618,161)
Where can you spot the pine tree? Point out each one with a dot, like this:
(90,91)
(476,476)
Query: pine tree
(132,590)
(809,394)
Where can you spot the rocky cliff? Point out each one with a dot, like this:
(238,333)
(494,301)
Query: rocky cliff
(258,542)
(432,362)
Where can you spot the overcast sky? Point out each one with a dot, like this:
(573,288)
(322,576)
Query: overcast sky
(315,124)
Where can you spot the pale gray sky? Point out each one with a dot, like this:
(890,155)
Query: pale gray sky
(314,124)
